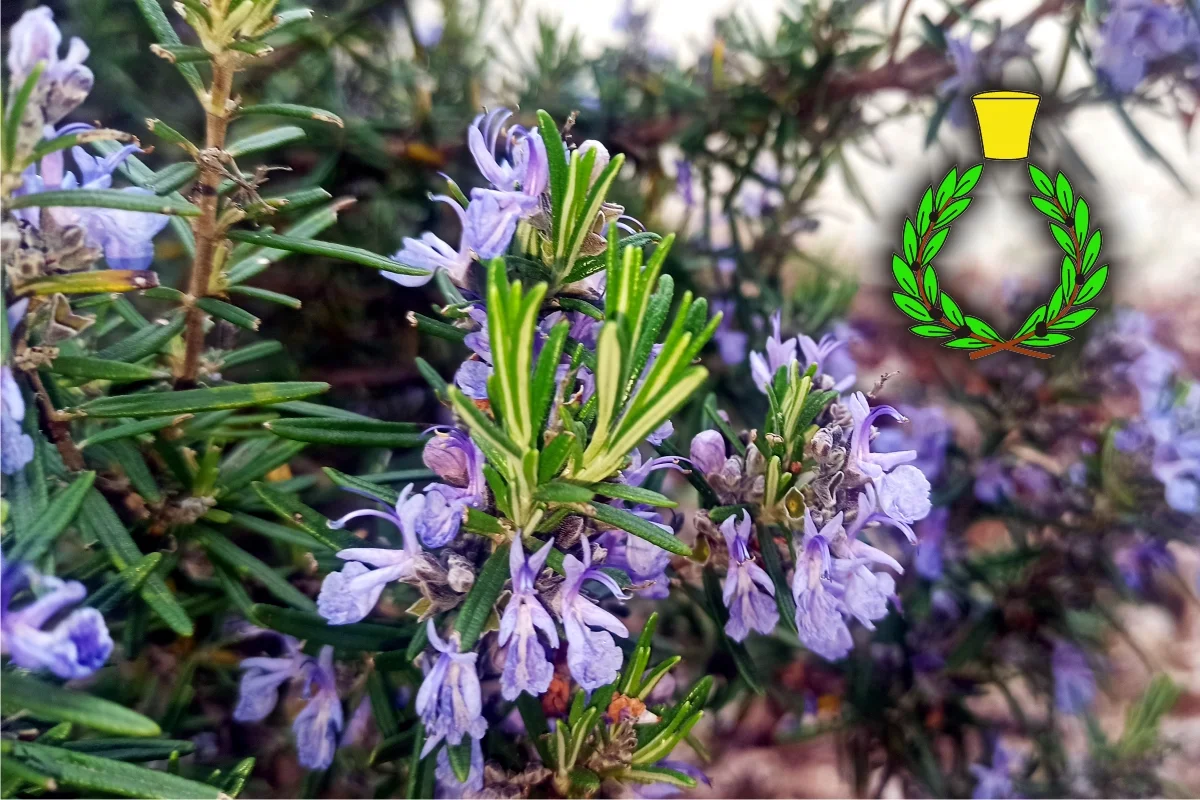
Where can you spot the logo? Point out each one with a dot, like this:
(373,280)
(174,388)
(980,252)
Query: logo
(1005,125)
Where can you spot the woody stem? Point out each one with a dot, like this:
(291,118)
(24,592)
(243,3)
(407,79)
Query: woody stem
(205,228)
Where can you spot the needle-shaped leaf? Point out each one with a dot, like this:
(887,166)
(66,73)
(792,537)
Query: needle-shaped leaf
(150,404)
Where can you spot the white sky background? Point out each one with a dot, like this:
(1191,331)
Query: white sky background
(1152,228)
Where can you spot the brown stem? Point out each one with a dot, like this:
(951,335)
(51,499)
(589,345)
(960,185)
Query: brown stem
(60,427)
(205,226)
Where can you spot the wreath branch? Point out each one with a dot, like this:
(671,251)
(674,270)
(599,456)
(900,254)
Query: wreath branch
(920,297)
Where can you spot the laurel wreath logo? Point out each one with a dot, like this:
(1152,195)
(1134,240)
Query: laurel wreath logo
(940,317)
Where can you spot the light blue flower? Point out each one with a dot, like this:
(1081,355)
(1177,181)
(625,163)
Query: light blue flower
(592,655)
(449,700)
(16,446)
(526,667)
(860,459)
(994,781)
(125,237)
(319,724)
(348,596)
(748,592)
(527,171)
(64,82)
(73,648)
(262,678)
(927,433)
(1139,35)
(824,355)
(819,609)
(779,353)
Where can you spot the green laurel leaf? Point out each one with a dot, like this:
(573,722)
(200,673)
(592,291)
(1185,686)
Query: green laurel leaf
(1046,207)
(1063,238)
(910,241)
(1056,304)
(904,275)
(1092,285)
(1067,276)
(1083,218)
(925,211)
(1038,315)
(952,212)
(930,331)
(935,245)
(952,311)
(1049,340)
(911,307)
(1062,191)
(1092,251)
(1074,319)
(981,328)
(966,343)
(1041,181)
(946,188)
(931,285)
(967,182)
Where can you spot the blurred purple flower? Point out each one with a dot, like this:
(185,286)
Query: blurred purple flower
(992,481)
(262,677)
(748,593)
(526,668)
(449,701)
(16,446)
(974,69)
(592,656)
(1176,432)
(994,782)
(1140,558)
(319,724)
(64,82)
(1137,35)
(1074,681)
(731,344)
(683,181)
(931,532)
(927,433)
(74,647)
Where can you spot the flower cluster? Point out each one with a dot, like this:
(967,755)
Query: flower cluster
(1141,37)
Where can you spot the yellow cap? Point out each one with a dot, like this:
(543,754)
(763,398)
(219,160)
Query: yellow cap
(1005,123)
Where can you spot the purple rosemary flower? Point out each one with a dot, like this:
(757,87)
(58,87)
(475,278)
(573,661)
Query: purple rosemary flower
(64,82)
(860,459)
(748,593)
(125,237)
(1138,35)
(592,655)
(823,354)
(448,785)
(1074,681)
(644,562)
(819,609)
(456,460)
(73,648)
(973,69)
(472,376)
(16,446)
(992,481)
(319,724)
(779,353)
(927,434)
(488,224)
(348,596)
(637,471)
(994,782)
(528,171)
(449,701)
(903,497)
(526,668)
